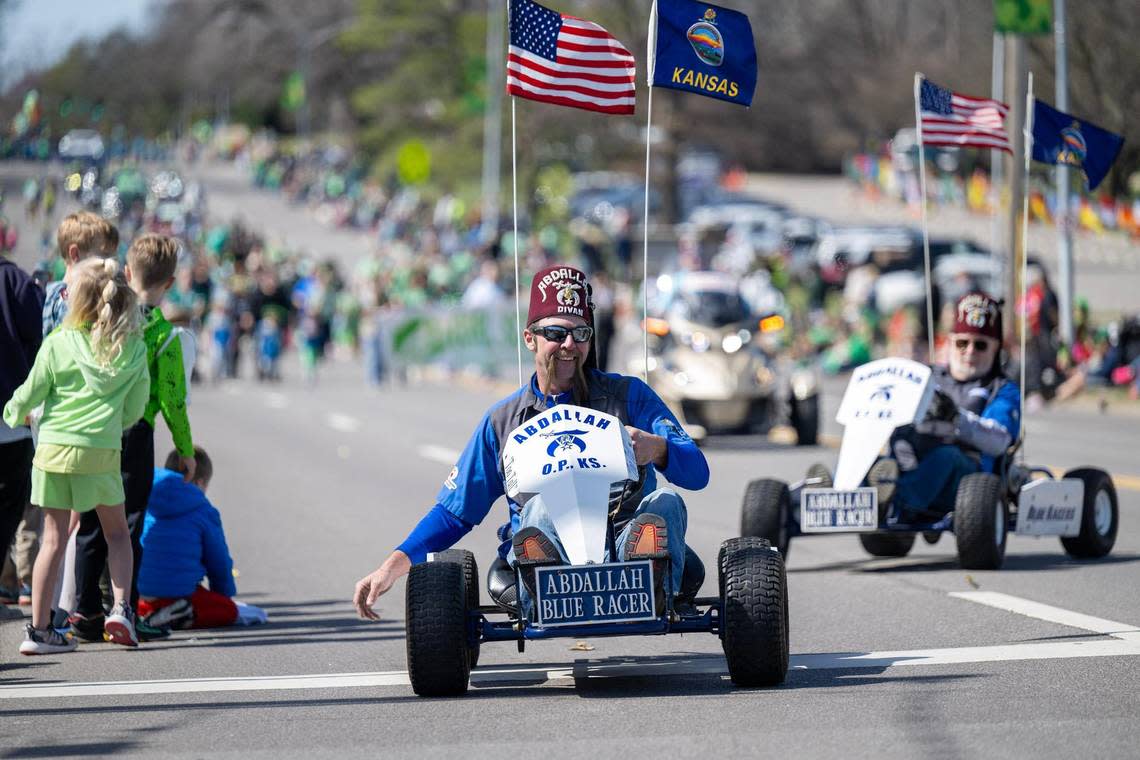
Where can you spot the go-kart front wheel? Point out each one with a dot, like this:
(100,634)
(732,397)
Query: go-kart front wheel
(439,663)
(980,522)
(765,512)
(1099,519)
(466,560)
(755,614)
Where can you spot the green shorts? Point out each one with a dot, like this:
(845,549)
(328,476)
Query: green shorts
(76,477)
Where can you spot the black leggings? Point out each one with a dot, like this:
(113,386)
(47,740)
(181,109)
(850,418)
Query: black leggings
(91,547)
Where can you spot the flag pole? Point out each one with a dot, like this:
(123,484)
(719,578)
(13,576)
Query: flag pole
(925,231)
(1023,311)
(515,237)
(645,245)
(650,65)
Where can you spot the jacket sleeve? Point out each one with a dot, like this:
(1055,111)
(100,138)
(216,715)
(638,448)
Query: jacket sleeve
(467,495)
(33,391)
(685,465)
(29,313)
(992,431)
(216,556)
(135,402)
(438,530)
(171,380)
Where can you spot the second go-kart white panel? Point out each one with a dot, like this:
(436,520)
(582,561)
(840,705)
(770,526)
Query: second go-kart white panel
(1051,507)
(829,510)
(881,396)
(569,456)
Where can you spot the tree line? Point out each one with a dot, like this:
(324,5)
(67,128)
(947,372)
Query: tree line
(835,77)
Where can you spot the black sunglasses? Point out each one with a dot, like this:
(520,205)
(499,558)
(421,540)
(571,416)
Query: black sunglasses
(557,333)
(979,345)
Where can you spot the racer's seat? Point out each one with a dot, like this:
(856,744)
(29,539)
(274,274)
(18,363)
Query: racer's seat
(501,585)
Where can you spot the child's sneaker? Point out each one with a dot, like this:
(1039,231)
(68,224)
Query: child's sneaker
(120,626)
(25,599)
(148,632)
(45,642)
(87,627)
(179,615)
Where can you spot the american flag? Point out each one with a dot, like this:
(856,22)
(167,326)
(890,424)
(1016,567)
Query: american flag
(567,61)
(948,118)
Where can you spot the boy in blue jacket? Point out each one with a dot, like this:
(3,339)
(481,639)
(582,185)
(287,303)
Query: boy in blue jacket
(183,542)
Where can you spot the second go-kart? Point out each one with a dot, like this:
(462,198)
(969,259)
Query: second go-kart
(570,457)
(1079,508)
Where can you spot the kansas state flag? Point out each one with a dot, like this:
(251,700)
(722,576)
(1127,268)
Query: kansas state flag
(702,48)
(1059,138)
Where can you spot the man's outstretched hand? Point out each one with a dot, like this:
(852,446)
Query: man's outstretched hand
(374,585)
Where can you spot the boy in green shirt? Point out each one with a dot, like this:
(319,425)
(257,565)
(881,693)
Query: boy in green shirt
(151,262)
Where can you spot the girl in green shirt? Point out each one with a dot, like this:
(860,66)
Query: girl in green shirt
(91,376)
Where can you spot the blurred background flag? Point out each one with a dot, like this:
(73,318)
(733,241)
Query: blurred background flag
(1023,16)
(702,48)
(293,91)
(1059,138)
(567,61)
(949,118)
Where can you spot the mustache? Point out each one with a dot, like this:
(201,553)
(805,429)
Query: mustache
(580,389)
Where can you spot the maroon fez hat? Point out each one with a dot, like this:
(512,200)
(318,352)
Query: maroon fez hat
(560,291)
(979,314)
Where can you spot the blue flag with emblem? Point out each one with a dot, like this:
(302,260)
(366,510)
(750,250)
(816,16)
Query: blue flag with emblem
(702,48)
(1059,138)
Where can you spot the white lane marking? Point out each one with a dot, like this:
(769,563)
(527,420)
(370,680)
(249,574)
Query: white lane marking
(276,400)
(343,422)
(1051,614)
(585,669)
(440,454)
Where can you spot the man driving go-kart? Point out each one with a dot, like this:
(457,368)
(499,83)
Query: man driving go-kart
(649,522)
(972,420)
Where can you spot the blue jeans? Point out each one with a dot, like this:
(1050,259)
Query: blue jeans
(933,485)
(664,502)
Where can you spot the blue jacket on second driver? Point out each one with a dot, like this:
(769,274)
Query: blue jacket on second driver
(476,482)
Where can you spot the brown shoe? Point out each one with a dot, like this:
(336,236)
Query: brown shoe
(649,539)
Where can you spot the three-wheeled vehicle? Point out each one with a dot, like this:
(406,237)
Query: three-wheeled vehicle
(570,458)
(1080,507)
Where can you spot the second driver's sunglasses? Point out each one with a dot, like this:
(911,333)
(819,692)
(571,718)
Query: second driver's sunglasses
(557,333)
(979,345)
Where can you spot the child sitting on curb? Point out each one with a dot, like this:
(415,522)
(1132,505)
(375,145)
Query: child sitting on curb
(183,542)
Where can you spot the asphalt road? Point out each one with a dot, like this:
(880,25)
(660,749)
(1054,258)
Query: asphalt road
(316,485)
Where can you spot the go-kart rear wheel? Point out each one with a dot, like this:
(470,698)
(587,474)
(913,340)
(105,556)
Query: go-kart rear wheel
(765,512)
(980,522)
(887,544)
(754,624)
(439,663)
(466,560)
(1099,519)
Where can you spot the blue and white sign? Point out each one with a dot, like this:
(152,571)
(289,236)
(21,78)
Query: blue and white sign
(1051,507)
(881,396)
(569,457)
(827,510)
(616,592)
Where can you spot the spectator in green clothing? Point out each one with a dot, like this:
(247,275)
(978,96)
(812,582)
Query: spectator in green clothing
(151,262)
(91,377)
